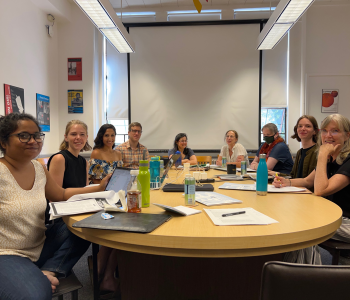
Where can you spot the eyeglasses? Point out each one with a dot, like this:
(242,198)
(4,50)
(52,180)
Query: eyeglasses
(332,132)
(136,131)
(25,137)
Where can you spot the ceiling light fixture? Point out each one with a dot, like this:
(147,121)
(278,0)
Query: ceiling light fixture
(102,14)
(286,14)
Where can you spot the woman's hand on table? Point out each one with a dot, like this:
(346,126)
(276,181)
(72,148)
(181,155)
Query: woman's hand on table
(254,165)
(279,182)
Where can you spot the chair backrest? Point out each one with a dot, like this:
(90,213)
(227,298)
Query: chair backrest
(204,159)
(43,160)
(289,281)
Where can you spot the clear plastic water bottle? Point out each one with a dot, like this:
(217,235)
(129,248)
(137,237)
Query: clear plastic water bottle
(243,167)
(144,179)
(190,190)
(161,168)
(224,162)
(262,176)
(178,162)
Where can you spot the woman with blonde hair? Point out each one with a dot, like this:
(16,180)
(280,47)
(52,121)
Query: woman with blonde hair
(331,179)
(70,170)
(233,151)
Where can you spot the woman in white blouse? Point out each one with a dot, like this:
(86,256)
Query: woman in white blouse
(233,151)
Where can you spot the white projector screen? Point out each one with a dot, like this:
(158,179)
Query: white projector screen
(200,80)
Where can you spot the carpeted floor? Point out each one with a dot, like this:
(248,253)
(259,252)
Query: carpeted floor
(85,293)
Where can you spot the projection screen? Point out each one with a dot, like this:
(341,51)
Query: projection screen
(200,80)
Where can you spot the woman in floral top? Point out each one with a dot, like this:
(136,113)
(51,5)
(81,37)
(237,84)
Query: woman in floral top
(104,159)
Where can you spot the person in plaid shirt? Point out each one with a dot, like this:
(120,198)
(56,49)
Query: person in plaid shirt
(132,150)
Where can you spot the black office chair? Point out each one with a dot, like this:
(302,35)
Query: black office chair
(70,284)
(334,247)
(287,281)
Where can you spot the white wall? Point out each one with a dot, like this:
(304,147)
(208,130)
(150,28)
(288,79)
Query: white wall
(327,57)
(29,59)
(76,39)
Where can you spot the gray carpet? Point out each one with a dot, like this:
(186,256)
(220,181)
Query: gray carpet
(85,293)
(81,270)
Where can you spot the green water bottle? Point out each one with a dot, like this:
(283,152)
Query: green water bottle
(144,178)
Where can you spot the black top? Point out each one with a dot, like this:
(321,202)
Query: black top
(75,170)
(342,197)
(301,161)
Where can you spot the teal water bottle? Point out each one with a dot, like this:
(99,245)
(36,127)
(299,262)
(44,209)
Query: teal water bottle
(144,178)
(262,176)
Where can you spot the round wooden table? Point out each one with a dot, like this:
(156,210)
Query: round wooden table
(191,258)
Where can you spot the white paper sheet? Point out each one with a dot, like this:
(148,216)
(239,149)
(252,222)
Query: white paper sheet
(213,198)
(250,217)
(252,187)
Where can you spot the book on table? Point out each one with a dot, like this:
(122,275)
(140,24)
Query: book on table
(182,210)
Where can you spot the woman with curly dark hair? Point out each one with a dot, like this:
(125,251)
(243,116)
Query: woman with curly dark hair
(187,154)
(104,159)
(30,257)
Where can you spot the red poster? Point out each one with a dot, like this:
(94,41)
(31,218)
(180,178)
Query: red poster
(75,70)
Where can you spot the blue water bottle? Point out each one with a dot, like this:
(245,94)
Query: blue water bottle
(178,162)
(262,176)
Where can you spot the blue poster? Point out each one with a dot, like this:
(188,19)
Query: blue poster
(43,111)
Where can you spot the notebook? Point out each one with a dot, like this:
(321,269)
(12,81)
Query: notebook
(131,222)
(180,188)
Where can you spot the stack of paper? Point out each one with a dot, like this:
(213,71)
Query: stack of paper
(252,187)
(212,198)
(249,217)
(236,186)
(91,202)
(248,170)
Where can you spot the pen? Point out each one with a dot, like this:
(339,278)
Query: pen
(276,175)
(233,214)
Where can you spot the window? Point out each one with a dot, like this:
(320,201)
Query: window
(121,126)
(276,116)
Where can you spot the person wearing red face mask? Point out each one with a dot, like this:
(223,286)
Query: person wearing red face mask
(278,157)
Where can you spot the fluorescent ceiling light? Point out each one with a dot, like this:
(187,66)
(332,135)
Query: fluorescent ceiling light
(286,14)
(102,14)
(193,11)
(255,9)
(141,13)
(276,33)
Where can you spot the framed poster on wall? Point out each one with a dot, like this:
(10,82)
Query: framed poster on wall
(14,99)
(43,111)
(75,69)
(75,102)
(330,100)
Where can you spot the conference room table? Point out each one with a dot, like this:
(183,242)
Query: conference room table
(189,257)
